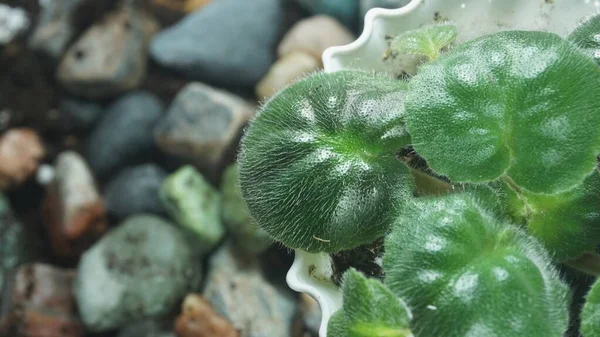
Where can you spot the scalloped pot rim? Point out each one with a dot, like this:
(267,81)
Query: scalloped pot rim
(331,53)
(557,16)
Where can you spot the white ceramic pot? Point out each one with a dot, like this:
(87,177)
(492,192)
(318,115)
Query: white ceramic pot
(311,273)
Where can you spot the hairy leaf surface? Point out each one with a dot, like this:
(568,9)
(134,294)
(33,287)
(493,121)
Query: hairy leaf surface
(318,168)
(524,104)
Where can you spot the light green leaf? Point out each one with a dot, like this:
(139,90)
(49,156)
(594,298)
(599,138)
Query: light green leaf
(590,316)
(370,309)
(318,166)
(524,104)
(465,274)
(426,41)
(587,37)
(337,325)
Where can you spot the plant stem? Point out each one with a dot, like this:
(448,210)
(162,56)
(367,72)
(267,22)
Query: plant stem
(588,262)
(430,185)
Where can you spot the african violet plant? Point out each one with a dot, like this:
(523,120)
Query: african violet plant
(509,128)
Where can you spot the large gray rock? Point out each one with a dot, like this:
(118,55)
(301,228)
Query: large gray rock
(110,57)
(229,42)
(124,134)
(203,125)
(238,291)
(17,244)
(135,190)
(54,30)
(140,269)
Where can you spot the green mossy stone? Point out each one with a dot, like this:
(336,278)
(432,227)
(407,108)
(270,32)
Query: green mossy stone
(465,274)
(236,215)
(195,205)
(318,166)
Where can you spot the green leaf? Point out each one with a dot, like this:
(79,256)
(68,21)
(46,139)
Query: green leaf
(426,41)
(337,325)
(568,224)
(590,316)
(370,309)
(318,166)
(524,104)
(587,37)
(465,274)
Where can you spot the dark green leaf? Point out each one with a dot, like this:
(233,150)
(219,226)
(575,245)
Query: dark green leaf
(587,37)
(590,316)
(370,310)
(524,104)
(318,168)
(568,224)
(464,274)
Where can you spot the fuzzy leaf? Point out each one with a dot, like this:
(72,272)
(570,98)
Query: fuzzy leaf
(519,103)
(337,325)
(587,37)
(370,309)
(590,316)
(568,224)
(464,274)
(318,168)
(426,41)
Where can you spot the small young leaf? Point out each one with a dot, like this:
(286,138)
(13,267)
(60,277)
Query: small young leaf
(518,103)
(590,316)
(426,41)
(587,37)
(568,224)
(464,274)
(370,310)
(318,168)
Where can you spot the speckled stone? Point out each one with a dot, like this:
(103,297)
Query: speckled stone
(142,268)
(202,125)
(110,57)
(238,291)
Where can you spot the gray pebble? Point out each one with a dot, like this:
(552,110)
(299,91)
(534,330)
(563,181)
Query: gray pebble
(124,134)
(142,268)
(239,292)
(228,42)
(53,30)
(135,190)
